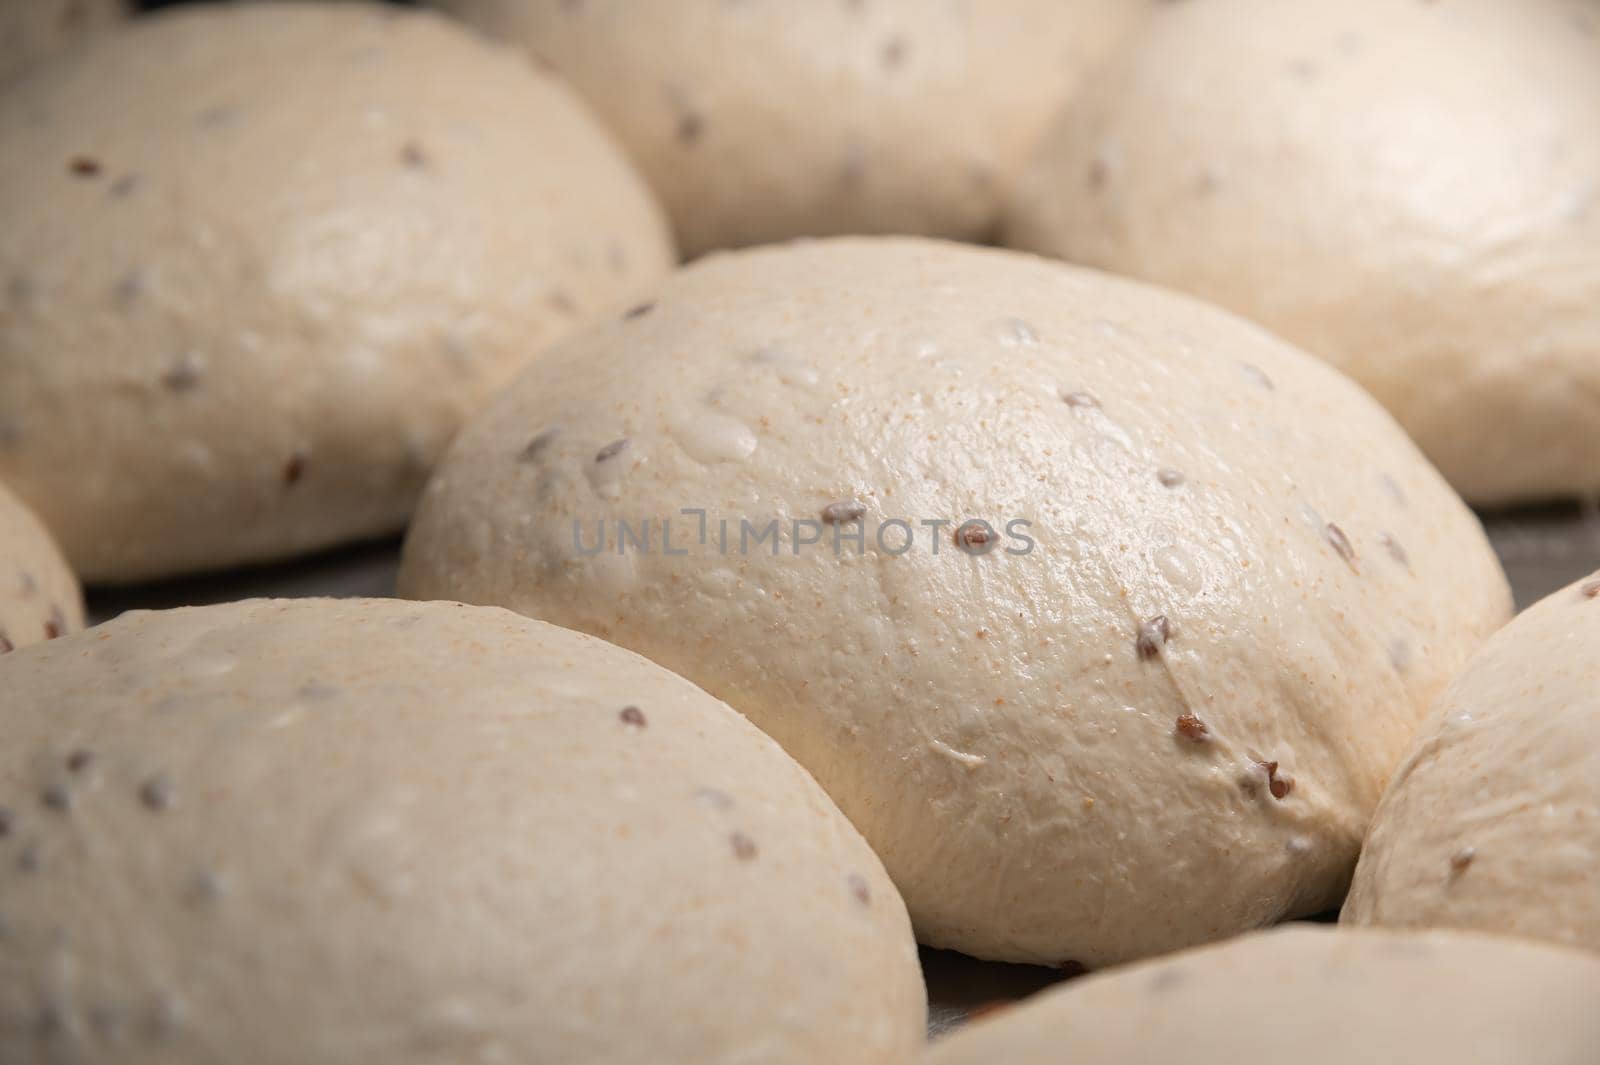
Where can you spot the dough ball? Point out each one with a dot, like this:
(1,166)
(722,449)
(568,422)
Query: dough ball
(1152,701)
(1312,996)
(1493,822)
(39,596)
(30,29)
(1409,190)
(768,119)
(345,832)
(256,270)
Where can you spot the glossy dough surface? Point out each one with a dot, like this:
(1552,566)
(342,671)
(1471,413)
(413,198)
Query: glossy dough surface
(1409,190)
(39,596)
(1313,996)
(1494,821)
(768,119)
(255,271)
(1003,728)
(345,832)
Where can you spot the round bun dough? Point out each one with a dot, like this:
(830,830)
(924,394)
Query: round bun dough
(39,596)
(759,121)
(1312,996)
(30,29)
(1409,190)
(255,272)
(1222,528)
(1494,820)
(338,832)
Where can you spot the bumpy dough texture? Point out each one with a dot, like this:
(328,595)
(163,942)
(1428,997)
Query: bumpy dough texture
(255,272)
(989,721)
(1493,822)
(346,832)
(30,29)
(39,596)
(1312,996)
(1409,190)
(768,119)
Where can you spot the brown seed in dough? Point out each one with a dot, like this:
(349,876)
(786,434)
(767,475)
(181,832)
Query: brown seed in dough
(1340,543)
(1153,636)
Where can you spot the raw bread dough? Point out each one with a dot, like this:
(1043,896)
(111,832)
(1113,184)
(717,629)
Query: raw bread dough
(1224,529)
(767,119)
(1312,996)
(39,596)
(1409,190)
(255,271)
(342,832)
(1494,821)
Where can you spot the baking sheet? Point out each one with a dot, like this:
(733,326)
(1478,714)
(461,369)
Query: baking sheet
(1542,549)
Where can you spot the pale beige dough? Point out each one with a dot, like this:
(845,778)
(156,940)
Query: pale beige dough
(990,722)
(256,269)
(32,29)
(39,595)
(1493,822)
(1409,190)
(1312,996)
(767,119)
(347,832)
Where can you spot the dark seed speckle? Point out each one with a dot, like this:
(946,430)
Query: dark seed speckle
(156,793)
(893,53)
(1280,787)
(1258,375)
(973,538)
(57,797)
(632,716)
(1098,174)
(691,127)
(1396,551)
(843,511)
(1170,478)
(294,470)
(1341,544)
(859,888)
(638,310)
(537,446)
(1153,636)
(183,375)
(744,848)
(611,450)
(1080,399)
(84,167)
